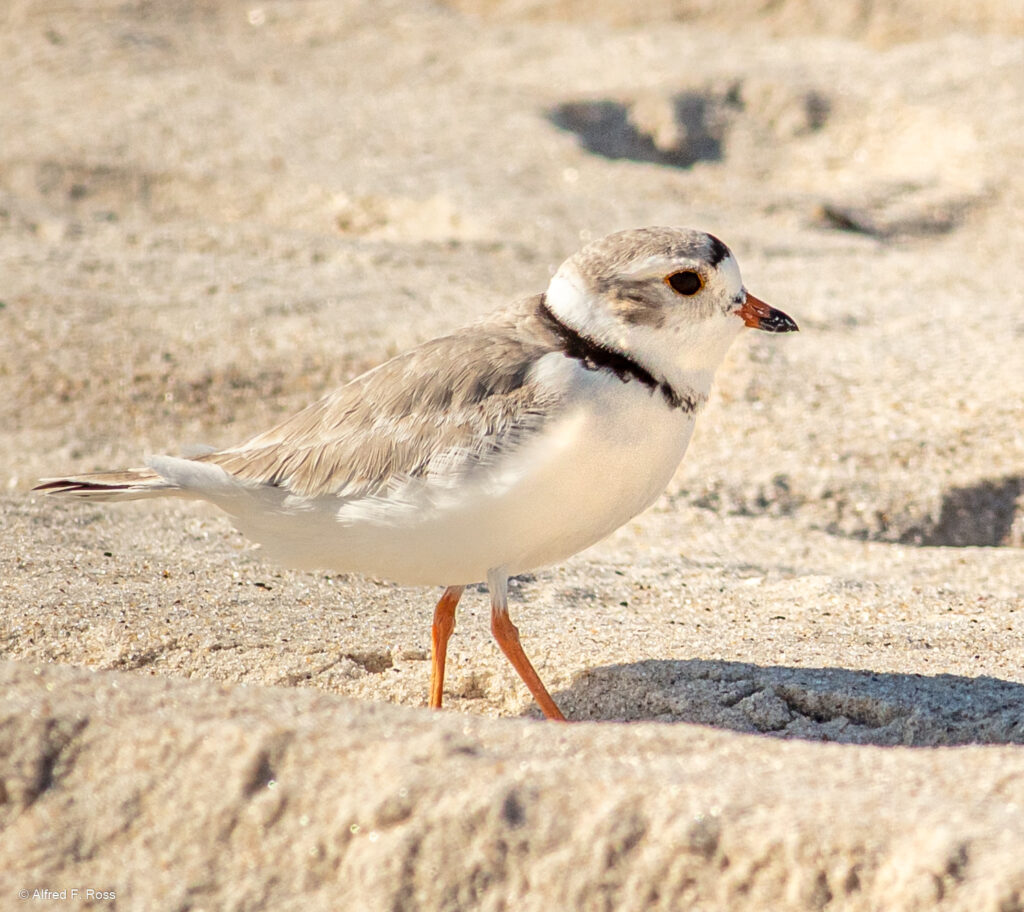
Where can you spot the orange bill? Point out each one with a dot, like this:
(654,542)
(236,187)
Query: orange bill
(761,316)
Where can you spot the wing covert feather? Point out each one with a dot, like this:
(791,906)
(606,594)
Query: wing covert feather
(448,404)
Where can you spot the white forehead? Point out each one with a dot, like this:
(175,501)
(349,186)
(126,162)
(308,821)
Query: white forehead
(729,272)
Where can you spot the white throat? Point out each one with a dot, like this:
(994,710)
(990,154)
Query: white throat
(684,354)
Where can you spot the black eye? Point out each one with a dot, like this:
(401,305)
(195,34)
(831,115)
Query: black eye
(686,283)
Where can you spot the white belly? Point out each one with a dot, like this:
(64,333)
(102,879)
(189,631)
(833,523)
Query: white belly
(606,457)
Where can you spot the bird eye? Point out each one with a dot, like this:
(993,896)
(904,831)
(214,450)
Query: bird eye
(686,283)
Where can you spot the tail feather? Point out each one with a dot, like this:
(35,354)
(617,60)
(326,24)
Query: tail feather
(130,484)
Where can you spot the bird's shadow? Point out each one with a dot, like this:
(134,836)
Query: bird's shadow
(816,704)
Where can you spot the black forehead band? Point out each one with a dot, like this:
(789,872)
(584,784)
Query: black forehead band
(717,251)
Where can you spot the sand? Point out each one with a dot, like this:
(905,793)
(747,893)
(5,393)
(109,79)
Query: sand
(798,678)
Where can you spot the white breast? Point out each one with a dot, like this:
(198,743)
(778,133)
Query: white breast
(607,456)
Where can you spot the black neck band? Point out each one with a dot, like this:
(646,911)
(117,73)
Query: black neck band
(595,356)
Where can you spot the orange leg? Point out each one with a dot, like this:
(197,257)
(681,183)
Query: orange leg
(444,624)
(507,635)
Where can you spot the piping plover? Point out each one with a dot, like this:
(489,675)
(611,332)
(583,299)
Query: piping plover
(512,443)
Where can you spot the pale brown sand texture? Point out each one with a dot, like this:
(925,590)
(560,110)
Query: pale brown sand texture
(211,212)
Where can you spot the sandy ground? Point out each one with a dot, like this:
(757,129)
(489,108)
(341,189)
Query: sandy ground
(210,213)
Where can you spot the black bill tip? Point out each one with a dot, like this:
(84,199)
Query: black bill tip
(777,322)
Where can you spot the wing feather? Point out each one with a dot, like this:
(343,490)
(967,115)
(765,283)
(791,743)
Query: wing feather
(448,405)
